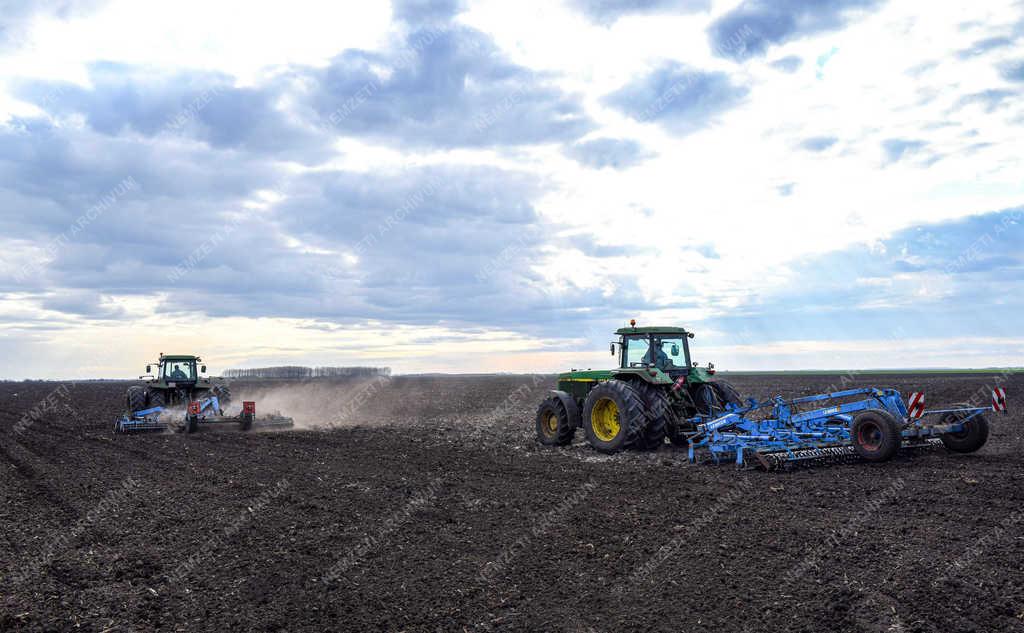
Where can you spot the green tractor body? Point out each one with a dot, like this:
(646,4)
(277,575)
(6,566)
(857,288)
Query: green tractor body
(179,379)
(649,396)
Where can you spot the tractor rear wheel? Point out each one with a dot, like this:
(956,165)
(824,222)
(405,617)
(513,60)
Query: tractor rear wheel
(727,394)
(156,398)
(136,398)
(973,437)
(554,428)
(706,397)
(659,412)
(876,435)
(614,416)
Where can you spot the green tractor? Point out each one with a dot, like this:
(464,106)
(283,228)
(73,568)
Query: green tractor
(177,382)
(651,395)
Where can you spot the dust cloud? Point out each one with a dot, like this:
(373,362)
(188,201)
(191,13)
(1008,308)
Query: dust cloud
(322,404)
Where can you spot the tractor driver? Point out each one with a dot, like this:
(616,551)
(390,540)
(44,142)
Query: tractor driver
(177,374)
(661,360)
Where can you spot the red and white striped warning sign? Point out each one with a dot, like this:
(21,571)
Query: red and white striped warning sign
(915,405)
(998,399)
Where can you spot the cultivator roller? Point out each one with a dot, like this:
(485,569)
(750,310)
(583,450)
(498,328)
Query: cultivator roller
(858,424)
(200,414)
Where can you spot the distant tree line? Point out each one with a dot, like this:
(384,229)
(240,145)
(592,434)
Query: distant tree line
(295,372)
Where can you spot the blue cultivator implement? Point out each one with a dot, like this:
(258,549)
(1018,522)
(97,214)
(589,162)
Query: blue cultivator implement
(869,424)
(200,413)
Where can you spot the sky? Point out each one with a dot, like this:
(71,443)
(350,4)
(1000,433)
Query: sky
(479,186)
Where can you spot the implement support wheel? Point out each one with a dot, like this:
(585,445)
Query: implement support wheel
(876,435)
(973,437)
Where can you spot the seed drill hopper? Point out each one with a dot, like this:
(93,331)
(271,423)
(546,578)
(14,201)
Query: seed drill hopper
(657,392)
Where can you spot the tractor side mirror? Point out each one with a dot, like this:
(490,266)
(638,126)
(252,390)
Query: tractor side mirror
(149,369)
(203,369)
(612,346)
(689,335)
(675,350)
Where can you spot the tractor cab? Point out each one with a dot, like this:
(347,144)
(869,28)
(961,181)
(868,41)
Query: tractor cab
(178,370)
(666,348)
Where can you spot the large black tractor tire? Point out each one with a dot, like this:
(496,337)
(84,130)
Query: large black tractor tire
(973,437)
(554,428)
(706,399)
(659,415)
(156,398)
(614,417)
(875,435)
(727,394)
(136,398)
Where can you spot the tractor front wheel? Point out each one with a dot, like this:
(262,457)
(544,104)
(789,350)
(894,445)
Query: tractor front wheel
(614,417)
(554,428)
(971,438)
(876,435)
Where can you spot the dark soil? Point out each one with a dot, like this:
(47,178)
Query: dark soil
(439,512)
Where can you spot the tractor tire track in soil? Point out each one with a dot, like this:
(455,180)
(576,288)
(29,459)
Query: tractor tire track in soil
(422,488)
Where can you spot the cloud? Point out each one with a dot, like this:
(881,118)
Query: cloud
(984,46)
(897,149)
(417,245)
(755,25)
(1013,71)
(608,11)
(935,280)
(608,152)
(680,98)
(444,86)
(204,106)
(990,100)
(82,303)
(449,87)
(17,15)
(788,64)
(420,11)
(818,143)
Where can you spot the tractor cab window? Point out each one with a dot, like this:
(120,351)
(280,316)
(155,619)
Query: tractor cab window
(636,350)
(180,370)
(667,353)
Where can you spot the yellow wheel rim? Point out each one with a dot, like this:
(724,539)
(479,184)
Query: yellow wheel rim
(551,424)
(604,419)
